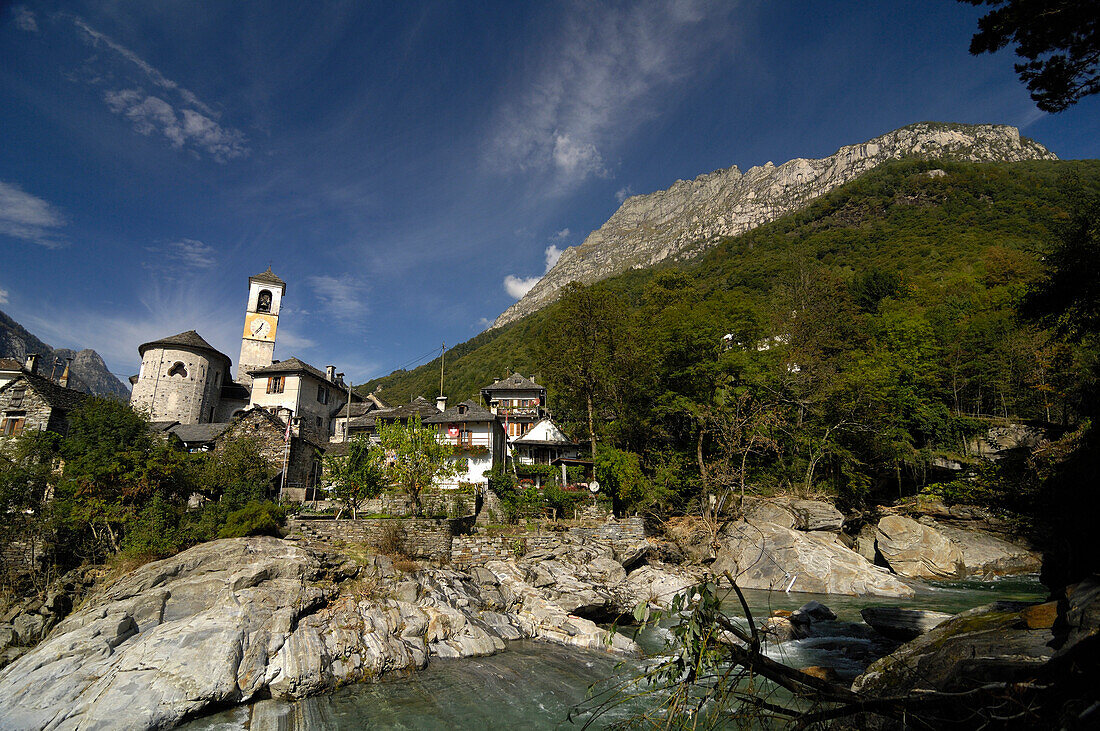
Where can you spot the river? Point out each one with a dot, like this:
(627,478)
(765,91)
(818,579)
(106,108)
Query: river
(534,685)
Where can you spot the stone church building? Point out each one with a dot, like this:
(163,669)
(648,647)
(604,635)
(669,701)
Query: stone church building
(187,388)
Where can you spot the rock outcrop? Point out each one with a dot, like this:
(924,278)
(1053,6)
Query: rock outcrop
(234,620)
(917,551)
(693,215)
(769,556)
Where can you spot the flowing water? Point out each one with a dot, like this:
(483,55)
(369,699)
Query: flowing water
(534,685)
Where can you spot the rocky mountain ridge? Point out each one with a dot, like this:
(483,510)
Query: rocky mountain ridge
(693,215)
(88,371)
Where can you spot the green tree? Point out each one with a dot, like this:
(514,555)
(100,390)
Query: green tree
(28,476)
(355,476)
(579,348)
(415,458)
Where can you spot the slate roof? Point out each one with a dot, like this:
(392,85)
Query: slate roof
(514,382)
(189,339)
(161,426)
(474,412)
(269,277)
(290,365)
(198,433)
(58,397)
(418,405)
(358,408)
(10,364)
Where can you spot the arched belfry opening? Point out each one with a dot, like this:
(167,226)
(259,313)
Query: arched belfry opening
(263,302)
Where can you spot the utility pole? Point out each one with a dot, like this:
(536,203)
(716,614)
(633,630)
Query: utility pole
(442,357)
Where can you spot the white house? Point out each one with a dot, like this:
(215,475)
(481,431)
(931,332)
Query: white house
(477,437)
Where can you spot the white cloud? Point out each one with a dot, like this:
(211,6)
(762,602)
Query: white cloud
(187,123)
(606,70)
(623,193)
(24,19)
(553,253)
(3,296)
(344,298)
(23,216)
(151,114)
(517,287)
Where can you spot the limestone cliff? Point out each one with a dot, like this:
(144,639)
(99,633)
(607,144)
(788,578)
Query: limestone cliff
(693,215)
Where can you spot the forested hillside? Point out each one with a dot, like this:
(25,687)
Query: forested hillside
(965,231)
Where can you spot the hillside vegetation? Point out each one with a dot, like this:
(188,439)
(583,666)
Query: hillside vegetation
(844,348)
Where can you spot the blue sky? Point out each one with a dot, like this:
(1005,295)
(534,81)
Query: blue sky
(409,167)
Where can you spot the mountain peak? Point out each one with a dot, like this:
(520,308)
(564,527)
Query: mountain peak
(692,215)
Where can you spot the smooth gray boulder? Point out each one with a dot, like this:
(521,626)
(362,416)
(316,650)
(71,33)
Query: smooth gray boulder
(917,551)
(768,556)
(902,624)
(761,510)
(816,515)
(987,555)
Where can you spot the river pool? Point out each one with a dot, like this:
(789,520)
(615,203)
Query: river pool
(534,685)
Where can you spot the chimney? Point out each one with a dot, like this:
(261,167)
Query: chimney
(32,362)
(441,403)
(64,382)
(330,373)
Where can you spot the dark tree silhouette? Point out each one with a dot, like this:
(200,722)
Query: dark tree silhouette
(1059,41)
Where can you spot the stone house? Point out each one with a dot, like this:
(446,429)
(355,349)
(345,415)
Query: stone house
(10,368)
(518,401)
(30,402)
(183,378)
(477,437)
(295,386)
(349,419)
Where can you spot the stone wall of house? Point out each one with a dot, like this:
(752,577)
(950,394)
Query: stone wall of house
(257,427)
(189,398)
(36,411)
(423,538)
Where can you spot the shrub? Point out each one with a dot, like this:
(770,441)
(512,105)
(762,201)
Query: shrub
(391,539)
(255,519)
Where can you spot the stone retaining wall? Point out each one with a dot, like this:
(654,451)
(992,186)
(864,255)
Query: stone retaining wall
(477,550)
(423,538)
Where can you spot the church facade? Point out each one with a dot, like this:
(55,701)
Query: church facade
(184,381)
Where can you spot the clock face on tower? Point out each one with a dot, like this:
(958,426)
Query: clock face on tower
(259,327)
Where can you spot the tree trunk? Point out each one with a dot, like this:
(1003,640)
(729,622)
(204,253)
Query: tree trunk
(699,454)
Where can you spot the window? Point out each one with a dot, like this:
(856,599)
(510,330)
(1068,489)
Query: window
(178,369)
(322,395)
(276,384)
(17,392)
(263,302)
(13,424)
(319,423)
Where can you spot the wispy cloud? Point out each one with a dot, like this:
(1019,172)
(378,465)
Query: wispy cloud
(191,253)
(605,73)
(24,19)
(561,235)
(553,253)
(623,193)
(342,297)
(23,216)
(3,296)
(186,123)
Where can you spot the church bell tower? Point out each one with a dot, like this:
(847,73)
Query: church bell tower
(261,320)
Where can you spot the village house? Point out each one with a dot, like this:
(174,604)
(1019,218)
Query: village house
(349,419)
(518,401)
(30,402)
(477,437)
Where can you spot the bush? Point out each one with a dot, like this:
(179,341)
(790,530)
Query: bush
(255,519)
